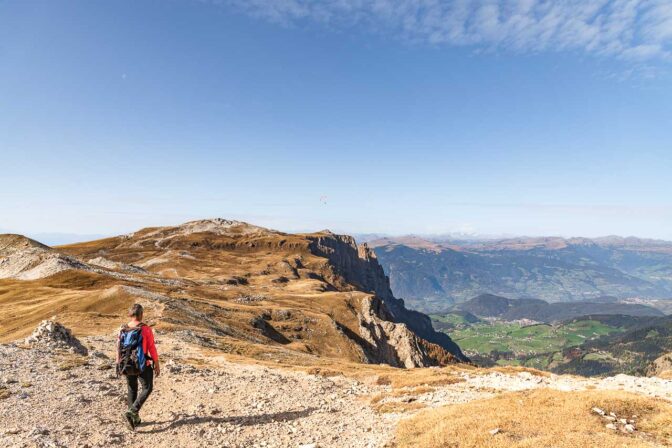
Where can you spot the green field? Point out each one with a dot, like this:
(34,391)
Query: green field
(451,320)
(509,343)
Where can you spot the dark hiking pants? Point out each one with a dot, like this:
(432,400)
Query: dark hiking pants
(146,378)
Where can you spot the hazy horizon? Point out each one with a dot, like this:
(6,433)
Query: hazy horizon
(58,238)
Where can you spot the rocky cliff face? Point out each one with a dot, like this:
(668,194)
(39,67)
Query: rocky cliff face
(356,265)
(394,343)
(387,317)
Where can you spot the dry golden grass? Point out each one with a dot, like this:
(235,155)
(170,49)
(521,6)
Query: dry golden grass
(518,369)
(4,393)
(326,373)
(67,362)
(420,390)
(666,375)
(73,297)
(378,374)
(397,407)
(378,398)
(541,418)
(418,377)
(198,363)
(409,392)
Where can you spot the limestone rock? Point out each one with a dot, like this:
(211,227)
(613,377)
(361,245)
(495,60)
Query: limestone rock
(52,335)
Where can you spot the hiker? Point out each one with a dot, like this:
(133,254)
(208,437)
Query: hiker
(137,359)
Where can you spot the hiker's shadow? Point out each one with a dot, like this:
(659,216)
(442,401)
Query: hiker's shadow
(237,420)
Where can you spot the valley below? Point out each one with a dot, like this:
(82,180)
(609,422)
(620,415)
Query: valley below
(537,345)
(561,337)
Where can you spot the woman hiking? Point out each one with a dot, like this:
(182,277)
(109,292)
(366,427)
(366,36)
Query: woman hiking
(137,359)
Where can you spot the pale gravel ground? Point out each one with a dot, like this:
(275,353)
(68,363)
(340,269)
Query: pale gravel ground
(231,405)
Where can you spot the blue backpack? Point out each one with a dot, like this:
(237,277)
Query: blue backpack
(132,359)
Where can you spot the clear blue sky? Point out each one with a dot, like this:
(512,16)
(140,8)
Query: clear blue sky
(357,116)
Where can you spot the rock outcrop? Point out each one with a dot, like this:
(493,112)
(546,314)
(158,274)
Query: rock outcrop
(421,325)
(394,343)
(53,336)
(357,265)
(661,366)
(116,266)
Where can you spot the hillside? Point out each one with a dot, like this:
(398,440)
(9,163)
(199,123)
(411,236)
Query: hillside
(234,286)
(489,305)
(26,259)
(641,350)
(432,274)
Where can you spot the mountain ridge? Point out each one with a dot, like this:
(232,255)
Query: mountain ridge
(242,285)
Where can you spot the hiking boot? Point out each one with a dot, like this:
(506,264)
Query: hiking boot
(130,416)
(136,419)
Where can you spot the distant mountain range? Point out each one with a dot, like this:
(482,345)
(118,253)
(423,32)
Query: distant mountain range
(431,273)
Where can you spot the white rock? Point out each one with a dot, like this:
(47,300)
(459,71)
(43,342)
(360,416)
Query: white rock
(494,431)
(598,411)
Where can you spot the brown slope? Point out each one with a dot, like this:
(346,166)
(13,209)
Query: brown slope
(236,287)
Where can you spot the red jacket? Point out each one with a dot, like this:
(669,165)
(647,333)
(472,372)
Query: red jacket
(148,345)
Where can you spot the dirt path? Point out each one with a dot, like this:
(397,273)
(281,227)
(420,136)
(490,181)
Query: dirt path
(51,401)
(232,405)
